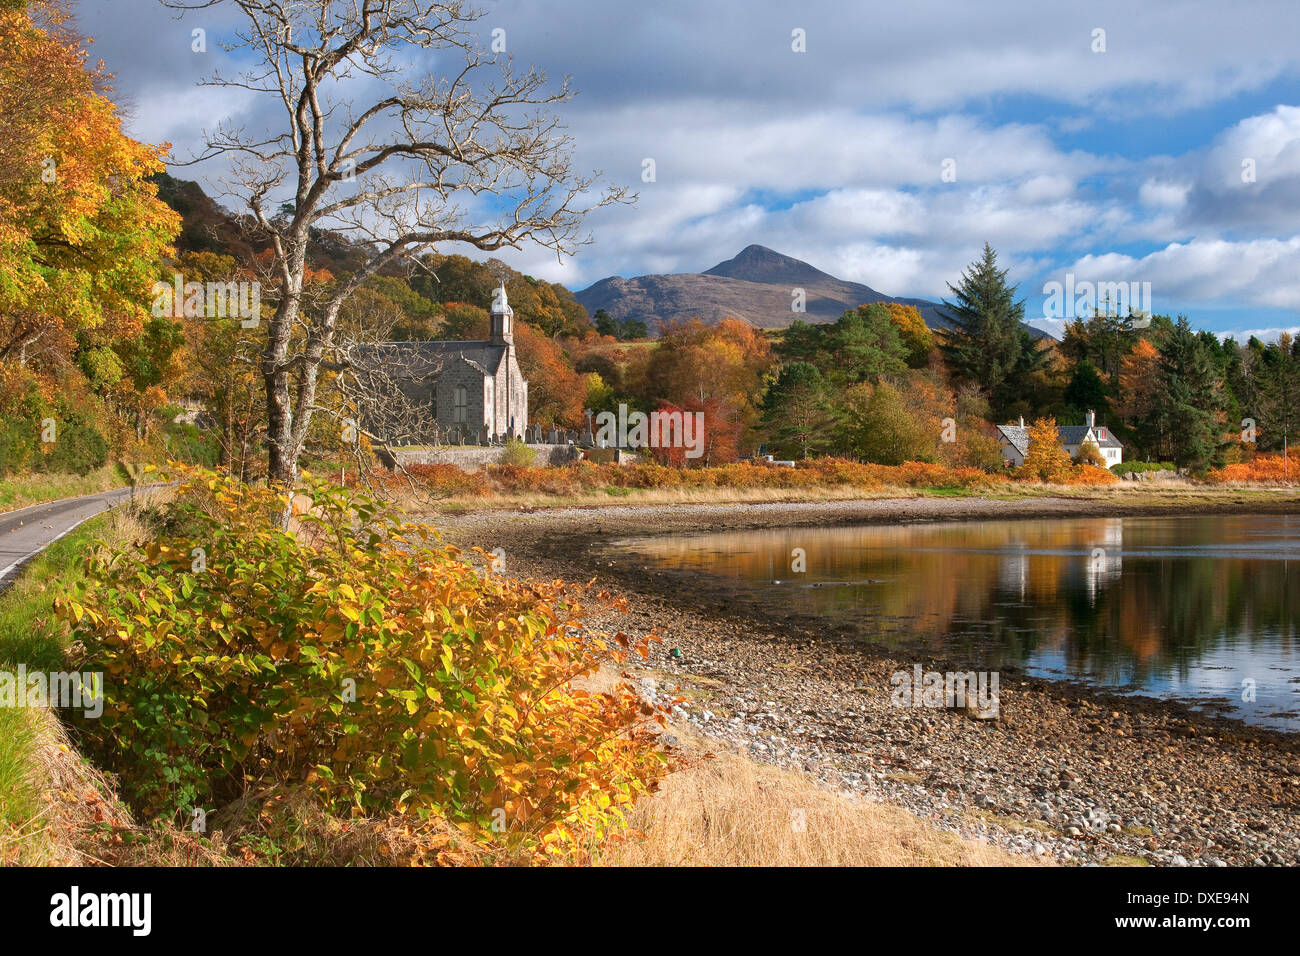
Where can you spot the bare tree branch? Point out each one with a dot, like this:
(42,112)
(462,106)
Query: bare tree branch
(472,157)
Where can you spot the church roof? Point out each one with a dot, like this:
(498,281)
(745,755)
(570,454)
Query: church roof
(422,358)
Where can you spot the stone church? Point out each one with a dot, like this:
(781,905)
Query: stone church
(475,387)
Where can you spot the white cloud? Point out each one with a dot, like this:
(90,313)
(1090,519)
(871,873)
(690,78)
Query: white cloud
(1163,194)
(1261,272)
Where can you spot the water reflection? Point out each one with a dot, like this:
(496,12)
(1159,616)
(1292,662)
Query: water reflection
(1187,606)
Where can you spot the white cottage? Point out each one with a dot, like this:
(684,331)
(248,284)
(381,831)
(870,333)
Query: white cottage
(1015,441)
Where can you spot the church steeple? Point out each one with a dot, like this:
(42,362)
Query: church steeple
(503,318)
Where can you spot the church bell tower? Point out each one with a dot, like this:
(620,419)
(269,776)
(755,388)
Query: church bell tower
(503,319)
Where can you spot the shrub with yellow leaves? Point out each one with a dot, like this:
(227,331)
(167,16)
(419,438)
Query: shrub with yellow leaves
(360,658)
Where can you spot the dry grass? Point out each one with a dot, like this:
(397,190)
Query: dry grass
(68,799)
(721,808)
(1132,494)
(24,490)
(727,810)
(641,496)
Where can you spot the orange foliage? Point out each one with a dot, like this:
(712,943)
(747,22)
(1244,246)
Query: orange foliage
(555,391)
(1139,380)
(585,476)
(1269,469)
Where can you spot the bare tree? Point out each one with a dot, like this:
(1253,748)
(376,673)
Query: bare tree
(392,172)
(383,391)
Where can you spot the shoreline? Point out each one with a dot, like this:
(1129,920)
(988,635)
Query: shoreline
(1069,770)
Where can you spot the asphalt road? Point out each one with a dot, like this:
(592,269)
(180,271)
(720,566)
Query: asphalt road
(28,531)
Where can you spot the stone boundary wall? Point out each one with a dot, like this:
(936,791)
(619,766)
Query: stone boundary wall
(474,458)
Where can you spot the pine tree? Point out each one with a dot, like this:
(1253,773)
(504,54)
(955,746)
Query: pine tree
(866,344)
(1189,398)
(1086,392)
(988,343)
(1279,394)
(796,412)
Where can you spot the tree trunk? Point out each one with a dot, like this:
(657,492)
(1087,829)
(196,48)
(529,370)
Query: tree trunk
(282,449)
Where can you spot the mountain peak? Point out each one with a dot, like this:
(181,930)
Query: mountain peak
(757,263)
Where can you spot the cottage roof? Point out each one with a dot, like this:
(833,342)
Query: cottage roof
(1076,434)
(1018,436)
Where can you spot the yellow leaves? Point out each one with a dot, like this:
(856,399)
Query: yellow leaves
(460,702)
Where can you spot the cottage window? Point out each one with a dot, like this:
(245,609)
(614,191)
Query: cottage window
(460,410)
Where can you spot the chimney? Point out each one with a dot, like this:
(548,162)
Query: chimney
(1090,419)
(1022,421)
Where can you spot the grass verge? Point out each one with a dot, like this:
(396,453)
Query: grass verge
(38,768)
(25,490)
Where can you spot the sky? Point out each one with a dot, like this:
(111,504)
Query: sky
(1156,144)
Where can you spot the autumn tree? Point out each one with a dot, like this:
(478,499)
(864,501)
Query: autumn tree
(878,426)
(1047,459)
(395,169)
(694,365)
(913,333)
(81,235)
(555,391)
(1139,390)
(462,321)
(81,227)
(1089,453)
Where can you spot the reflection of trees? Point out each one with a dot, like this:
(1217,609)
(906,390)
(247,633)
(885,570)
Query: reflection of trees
(1003,591)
